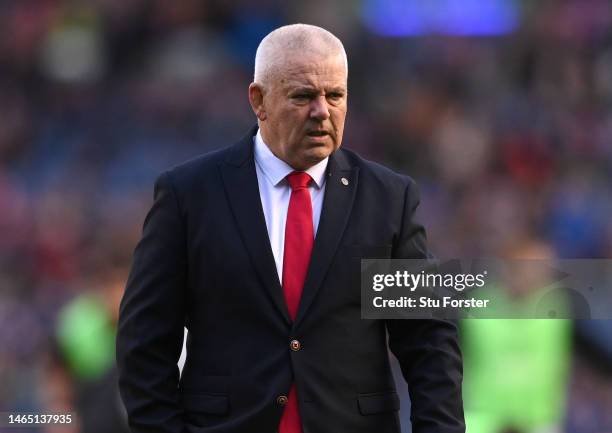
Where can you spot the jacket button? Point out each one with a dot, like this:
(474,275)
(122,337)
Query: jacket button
(295,345)
(281,400)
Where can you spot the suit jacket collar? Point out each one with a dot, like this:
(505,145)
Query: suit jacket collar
(241,152)
(240,180)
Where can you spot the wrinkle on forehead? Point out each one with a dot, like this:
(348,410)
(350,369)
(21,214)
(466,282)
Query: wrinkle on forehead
(310,72)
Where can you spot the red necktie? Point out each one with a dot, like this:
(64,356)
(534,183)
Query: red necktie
(299,237)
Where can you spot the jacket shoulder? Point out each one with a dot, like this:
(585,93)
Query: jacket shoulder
(198,168)
(377,174)
(204,168)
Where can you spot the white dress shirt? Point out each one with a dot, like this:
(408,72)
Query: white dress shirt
(275,192)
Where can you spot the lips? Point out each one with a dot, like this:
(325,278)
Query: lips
(317,133)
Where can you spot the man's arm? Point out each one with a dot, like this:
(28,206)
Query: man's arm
(427,350)
(151,319)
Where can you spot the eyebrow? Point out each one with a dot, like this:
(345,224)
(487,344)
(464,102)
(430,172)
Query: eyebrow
(311,90)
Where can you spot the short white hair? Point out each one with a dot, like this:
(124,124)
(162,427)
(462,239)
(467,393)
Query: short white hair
(305,39)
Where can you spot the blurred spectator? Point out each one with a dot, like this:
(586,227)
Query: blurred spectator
(516,370)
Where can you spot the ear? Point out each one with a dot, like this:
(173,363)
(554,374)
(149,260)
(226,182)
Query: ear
(256,99)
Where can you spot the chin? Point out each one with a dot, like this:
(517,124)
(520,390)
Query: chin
(320,153)
(307,160)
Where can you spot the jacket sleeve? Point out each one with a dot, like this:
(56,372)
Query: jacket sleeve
(151,318)
(427,349)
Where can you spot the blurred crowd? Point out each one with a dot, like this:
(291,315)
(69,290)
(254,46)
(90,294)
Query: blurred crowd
(509,136)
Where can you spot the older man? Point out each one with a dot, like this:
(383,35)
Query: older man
(256,250)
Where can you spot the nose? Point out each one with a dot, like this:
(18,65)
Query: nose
(318,108)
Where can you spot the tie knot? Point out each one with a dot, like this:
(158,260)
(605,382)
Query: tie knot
(298,180)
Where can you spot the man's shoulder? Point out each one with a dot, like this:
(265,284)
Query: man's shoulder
(375,174)
(205,167)
(199,166)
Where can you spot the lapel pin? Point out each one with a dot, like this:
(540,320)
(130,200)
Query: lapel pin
(344,181)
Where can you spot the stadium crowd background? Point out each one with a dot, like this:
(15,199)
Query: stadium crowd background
(502,111)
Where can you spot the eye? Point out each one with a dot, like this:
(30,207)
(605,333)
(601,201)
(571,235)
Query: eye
(335,96)
(300,98)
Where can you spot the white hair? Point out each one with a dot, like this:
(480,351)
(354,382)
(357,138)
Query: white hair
(304,39)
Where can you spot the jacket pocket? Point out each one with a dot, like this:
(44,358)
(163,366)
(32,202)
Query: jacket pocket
(214,404)
(373,403)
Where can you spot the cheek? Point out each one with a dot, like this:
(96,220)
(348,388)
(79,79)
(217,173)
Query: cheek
(293,118)
(337,119)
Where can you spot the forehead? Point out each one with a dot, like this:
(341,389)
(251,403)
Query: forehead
(319,73)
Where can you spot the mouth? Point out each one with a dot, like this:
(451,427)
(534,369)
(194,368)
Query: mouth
(317,133)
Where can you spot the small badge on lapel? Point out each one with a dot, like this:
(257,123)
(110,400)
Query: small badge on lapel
(344,181)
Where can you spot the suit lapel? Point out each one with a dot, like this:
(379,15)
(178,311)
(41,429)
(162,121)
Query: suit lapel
(340,189)
(240,180)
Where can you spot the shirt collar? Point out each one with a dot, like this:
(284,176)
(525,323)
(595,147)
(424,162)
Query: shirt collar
(275,169)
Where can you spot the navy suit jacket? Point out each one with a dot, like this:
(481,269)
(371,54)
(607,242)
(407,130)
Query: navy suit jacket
(205,262)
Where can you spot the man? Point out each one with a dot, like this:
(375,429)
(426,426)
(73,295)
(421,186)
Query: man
(256,250)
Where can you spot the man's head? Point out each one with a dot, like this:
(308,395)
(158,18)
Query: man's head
(299,93)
